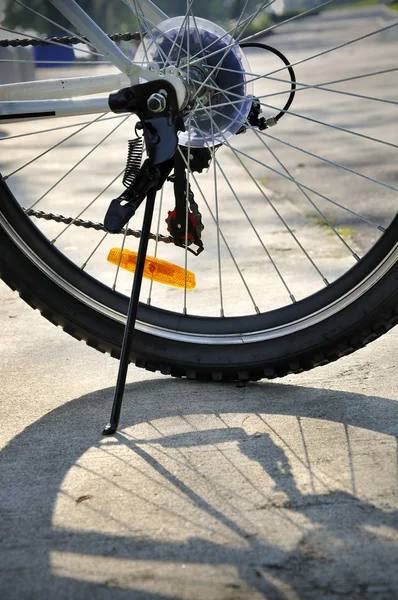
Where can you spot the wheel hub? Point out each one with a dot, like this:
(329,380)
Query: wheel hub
(213,69)
(197,93)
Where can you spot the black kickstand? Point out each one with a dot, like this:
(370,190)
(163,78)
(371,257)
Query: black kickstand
(111,428)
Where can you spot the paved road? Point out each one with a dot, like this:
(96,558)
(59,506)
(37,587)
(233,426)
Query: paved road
(279,490)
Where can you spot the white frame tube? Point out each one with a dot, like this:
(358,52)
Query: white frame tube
(62,88)
(11,112)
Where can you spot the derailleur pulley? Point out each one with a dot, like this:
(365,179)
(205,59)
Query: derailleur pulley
(184,222)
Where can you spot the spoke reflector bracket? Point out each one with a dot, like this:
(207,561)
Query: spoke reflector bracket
(155,269)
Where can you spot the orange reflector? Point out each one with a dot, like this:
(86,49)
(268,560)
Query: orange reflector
(156,269)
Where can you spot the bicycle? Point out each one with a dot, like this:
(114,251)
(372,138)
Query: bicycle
(198,101)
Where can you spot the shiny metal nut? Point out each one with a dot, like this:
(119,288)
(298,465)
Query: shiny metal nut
(156,103)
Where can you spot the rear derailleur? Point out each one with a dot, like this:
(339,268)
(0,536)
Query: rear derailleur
(155,104)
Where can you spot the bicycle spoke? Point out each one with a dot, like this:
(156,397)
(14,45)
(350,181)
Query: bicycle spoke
(187,27)
(326,220)
(245,23)
(240,19)
(229,47)
(293,18)
(302,186)
(222,312)
(343,80)
(84,265)
(325,281)
(214,161)
(226,34)
(271,204)
(199,38)
(314,85)
(290,112)
(306,187)
(313,204)
(221,234)
(149,300)
(337,47)
(20,135)
(159,48)
(88,206)
(385,28)
(337,127)
(305,86)
(140,27)
(174,43)
(187,186)
(291,296)
(326,160)
(330,200)
(79,162)
(317,156)
(144,23)
(120,257)
(283,221)
(54,146)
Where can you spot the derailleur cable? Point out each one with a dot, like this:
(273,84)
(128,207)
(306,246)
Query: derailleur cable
(254,118)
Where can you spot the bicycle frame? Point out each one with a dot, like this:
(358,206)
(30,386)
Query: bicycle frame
(59,97)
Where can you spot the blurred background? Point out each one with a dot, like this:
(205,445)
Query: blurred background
(113,15)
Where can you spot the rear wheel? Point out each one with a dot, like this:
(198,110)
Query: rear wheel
(300,260)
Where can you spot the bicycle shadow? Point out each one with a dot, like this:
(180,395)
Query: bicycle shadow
(335,532)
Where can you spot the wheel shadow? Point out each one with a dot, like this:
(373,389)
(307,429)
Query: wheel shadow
(337,546)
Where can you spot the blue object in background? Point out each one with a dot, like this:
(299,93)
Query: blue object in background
(53,54)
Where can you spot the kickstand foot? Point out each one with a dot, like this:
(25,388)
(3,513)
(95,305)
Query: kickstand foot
(111,428)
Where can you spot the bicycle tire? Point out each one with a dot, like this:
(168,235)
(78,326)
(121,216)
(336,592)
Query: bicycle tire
(359,322)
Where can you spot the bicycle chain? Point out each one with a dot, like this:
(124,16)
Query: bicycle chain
(72,40)
(39,214)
